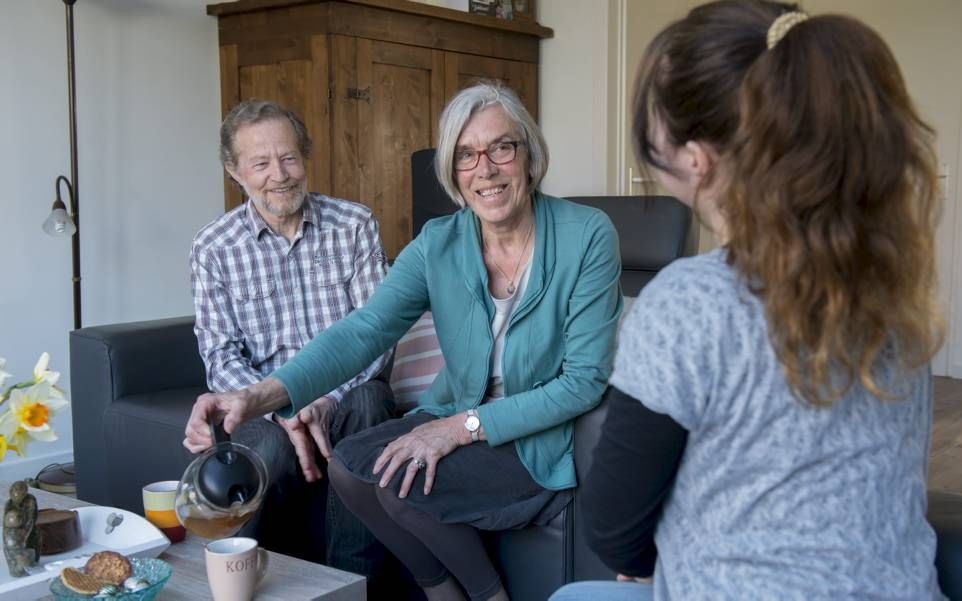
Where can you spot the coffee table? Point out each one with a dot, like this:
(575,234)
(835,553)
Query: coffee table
(287,579)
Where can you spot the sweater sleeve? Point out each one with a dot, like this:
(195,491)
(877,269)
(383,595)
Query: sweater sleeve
(348,346)
(633,471)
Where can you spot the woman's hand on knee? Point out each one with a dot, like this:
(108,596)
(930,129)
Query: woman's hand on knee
(422,448)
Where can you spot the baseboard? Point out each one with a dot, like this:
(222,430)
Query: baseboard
(18,468)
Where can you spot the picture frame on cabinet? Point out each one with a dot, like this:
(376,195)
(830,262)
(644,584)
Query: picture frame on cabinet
(502,9)
(523,10)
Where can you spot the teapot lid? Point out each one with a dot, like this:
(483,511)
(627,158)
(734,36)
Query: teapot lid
(227,476)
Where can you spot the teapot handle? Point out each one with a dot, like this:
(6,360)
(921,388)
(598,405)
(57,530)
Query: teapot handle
(218,434)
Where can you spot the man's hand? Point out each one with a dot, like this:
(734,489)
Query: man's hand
(623,578)
(232,408)
(228,407)
(308,430)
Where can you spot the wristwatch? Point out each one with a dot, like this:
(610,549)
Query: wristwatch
(472,424)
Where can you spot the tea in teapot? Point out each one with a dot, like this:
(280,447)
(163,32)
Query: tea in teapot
(221,489)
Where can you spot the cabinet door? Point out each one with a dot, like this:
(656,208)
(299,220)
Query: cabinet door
(295,80)
(463,70)
(387,99)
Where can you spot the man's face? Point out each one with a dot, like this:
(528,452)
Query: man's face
(270,167)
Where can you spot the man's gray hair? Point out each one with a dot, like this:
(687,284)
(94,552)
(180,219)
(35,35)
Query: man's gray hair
(253,111)
(459,111)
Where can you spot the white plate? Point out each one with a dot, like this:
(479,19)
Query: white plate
(133,536)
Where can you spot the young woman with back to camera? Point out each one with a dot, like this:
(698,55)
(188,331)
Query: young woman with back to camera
(771,401)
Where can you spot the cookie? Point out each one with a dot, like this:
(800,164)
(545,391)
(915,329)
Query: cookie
(81,583)
(110,566)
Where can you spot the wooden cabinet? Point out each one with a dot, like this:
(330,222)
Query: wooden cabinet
(369,78)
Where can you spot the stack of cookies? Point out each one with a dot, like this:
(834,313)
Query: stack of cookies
(102,569)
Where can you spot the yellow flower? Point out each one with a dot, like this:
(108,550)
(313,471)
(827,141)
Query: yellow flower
(18,442)
(32,410)
(3,446)
(42,374)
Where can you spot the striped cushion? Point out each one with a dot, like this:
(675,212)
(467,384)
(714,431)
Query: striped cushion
(417,361)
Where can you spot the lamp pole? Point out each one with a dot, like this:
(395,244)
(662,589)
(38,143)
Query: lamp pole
(75,192)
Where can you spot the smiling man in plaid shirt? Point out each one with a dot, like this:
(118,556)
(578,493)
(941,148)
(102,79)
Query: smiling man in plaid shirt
(266,278)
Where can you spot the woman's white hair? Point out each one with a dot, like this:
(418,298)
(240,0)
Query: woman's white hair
(460,110)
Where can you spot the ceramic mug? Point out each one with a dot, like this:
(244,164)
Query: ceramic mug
(234,568)
(159,509)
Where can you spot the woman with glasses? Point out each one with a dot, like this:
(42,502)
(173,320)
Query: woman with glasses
(524,292)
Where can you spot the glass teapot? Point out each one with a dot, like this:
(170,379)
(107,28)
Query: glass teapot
(221,489)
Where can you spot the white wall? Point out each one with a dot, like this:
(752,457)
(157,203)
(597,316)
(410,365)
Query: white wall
(574,95)
(148,105)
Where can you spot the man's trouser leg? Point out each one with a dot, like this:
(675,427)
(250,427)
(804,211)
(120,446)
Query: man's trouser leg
(350,545)
(284,523)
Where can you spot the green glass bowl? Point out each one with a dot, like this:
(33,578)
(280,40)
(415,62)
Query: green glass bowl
(155,571)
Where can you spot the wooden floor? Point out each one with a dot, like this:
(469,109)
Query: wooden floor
(945,464)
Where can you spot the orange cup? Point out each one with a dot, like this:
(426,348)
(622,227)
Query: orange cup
(159,509)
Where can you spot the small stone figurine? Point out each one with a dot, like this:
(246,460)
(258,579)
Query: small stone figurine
(21,539)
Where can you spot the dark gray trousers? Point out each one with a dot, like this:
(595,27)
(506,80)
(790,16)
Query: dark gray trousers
(308,520)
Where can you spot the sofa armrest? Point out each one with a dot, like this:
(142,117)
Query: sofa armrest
(945,515)
(113,361)
(140,356)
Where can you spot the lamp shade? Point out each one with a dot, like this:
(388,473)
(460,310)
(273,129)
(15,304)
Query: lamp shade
(59,224)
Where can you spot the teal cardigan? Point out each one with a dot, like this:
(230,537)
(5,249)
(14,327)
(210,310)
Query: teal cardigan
(557,351)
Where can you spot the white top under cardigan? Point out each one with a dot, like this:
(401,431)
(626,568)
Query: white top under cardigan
(504,309)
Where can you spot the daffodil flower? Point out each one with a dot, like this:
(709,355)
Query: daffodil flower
(18,442)
(32,410)
(3,376)
(8,426)
(42,374)
(27,408)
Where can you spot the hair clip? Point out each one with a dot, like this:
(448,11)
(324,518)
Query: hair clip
(782,24)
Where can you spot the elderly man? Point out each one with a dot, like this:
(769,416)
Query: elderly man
(266,278)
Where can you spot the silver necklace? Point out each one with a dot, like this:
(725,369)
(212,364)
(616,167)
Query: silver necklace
(524,247)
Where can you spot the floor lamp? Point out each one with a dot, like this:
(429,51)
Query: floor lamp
(60,223)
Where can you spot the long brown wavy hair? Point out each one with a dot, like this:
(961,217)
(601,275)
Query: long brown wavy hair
(830,195)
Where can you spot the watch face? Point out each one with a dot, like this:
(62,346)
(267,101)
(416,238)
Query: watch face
(472,423)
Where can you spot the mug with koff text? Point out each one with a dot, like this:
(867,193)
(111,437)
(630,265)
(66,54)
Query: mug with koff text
(159,509)
(234,568)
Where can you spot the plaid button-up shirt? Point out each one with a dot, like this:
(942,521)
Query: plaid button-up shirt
(259,298)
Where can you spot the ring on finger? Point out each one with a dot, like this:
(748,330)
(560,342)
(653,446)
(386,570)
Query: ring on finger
(419,464)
